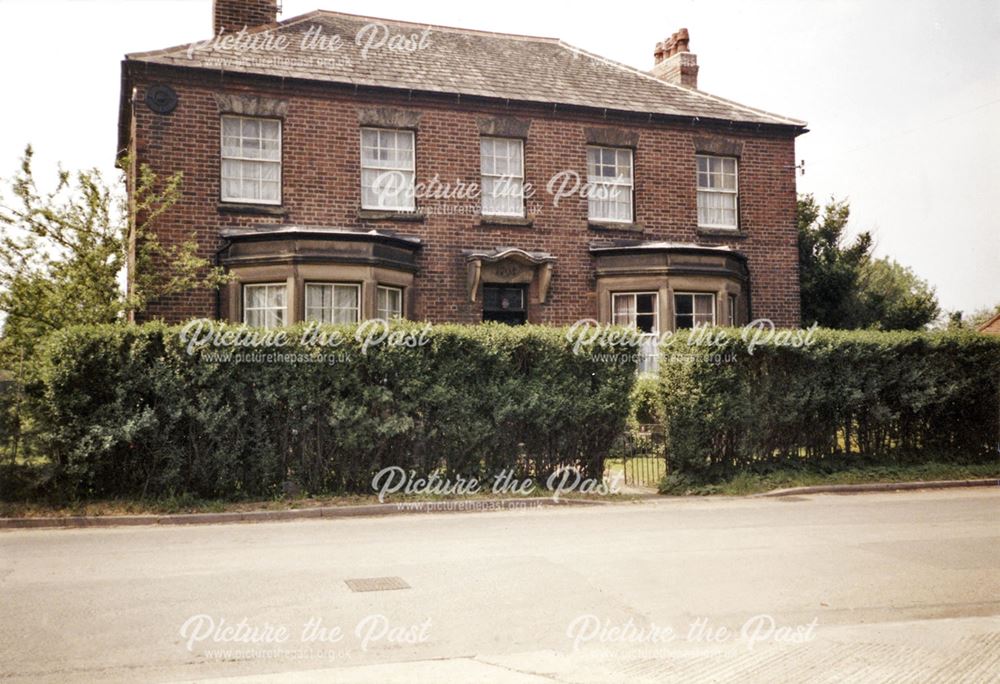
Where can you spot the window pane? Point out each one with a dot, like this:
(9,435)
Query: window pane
(646,303)
(704,304)
(624,309)
(683,304)
(635,310)
(255,297)
(264,305)
(387,169)
(318,302)
(346,297)
(646,323)
(502,177)
(245,141)
(609,174)
(390,303)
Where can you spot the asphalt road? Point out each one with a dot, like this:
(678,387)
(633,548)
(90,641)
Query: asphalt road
(876,587)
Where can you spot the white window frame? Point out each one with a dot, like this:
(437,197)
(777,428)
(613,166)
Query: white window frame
(732,301)
(634,295)
(381,312)
(648,360)
(385,166)
(519,177)
(264,309)
(735,192)
(594,183)
(333,299)
(694,321)
(249,160)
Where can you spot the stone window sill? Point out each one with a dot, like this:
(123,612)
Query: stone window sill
(506,221)
(722,232)
(382,215)
(258,209)
(628,227)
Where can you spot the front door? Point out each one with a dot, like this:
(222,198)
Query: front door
(505,304)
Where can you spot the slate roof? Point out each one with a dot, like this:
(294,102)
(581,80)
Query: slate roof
(464,62)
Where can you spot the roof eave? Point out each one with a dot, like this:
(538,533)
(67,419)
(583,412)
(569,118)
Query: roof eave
(797,127)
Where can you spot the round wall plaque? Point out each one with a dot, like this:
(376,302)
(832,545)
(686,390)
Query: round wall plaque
(161,99)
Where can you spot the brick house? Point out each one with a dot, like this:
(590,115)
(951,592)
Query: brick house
(328,158)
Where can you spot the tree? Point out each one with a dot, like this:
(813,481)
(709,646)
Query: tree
(892,297)
(829,266)
(62,252)
(844,287)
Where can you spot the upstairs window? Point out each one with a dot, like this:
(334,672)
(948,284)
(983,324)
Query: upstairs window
(609,175)
(717,192)
(251,160)
(693,309)
(502,168)
(333,302)
(387,169)
(389,304)
(264,305)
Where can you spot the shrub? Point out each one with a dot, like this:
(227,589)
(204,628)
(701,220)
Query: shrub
(849,398)
(127,411)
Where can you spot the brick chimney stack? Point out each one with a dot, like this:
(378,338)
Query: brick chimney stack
(233,15)
(674,63)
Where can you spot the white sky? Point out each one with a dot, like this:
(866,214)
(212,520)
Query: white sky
(902,97)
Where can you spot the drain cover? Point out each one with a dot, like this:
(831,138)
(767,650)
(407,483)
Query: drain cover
(376,584)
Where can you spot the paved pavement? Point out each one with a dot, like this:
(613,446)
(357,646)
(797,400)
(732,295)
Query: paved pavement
(874,587)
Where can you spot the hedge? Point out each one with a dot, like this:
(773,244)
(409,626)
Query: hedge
(127,411)
(847,398)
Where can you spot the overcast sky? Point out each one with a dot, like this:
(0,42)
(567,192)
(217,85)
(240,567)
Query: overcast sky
(902,97)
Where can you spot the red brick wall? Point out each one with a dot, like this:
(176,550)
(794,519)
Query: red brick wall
(233,15)
(321,170)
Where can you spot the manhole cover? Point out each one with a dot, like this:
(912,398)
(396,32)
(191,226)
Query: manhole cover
(376,584)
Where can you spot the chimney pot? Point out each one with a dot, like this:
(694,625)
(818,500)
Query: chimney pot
(673,61)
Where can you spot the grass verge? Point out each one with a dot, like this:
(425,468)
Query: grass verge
(752,483)
(185,504)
